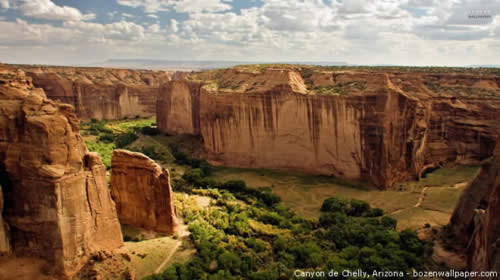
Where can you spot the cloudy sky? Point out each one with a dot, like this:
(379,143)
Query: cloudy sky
(405,32)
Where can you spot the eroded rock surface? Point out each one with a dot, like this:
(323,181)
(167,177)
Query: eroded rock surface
(56,201)
(378,126)
(142,192)
(4,238)
(475,225)
(101,93)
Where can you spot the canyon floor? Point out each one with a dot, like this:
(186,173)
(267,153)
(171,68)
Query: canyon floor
(430,200)
(415,205)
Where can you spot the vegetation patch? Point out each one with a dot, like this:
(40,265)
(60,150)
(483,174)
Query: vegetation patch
(268,241)
(340,88)
(104,136)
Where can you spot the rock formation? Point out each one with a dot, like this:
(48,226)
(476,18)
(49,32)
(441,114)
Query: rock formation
(101,93)
(475,225)
(4,238)
(378,126)
(142,192)
(57,205)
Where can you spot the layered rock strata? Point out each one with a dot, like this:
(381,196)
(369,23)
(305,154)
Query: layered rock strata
(378,126)
(101,93)
(57,205)
(142,192)
(475,225)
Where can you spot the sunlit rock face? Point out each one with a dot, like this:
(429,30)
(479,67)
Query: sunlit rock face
(377,126)
(56,203)
(102,93)
(142,192)
(475,224)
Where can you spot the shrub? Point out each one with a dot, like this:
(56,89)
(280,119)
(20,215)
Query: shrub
(150,152)
(235,185)
(334,204)
(147,130)
(107,138)
(389,222)
(376,212)
(358,208)
(125,139)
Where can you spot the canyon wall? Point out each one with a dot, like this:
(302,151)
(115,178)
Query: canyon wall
(4,237)
(142,192)
(101,93)
(380,127)
(474,225)
(57,205)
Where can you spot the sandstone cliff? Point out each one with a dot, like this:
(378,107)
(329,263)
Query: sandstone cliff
(475,225)
(142,192)
(56,201)
(4,238)
(377,126)
(101,93)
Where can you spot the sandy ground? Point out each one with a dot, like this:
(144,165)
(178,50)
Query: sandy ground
(13,268)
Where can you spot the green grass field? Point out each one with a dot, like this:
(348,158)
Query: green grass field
(149,254)
(305,193)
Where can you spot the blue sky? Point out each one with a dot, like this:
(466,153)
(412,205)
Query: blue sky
(406,32)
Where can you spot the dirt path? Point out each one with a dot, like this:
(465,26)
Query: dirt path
(183,233)
(421,198)
(418,204)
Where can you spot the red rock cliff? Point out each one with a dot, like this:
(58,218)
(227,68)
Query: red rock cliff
(475,224)
(376,126)
(101,92)
(142,192)
(56,201)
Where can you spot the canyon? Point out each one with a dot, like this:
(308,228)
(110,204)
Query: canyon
(142,192)
(374,125)
(475,225)
(101,93)
(378,125)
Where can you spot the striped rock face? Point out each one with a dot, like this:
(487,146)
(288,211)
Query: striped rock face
(382,127)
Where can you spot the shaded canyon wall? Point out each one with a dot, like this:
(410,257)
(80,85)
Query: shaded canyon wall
(475,225)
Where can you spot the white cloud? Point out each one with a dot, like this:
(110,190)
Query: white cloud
(4,4)
(183,6)
(196,6)
(46,9)
(173,25)
(127,15)
(358,31)
(96,32)
(112,14)
(154,28)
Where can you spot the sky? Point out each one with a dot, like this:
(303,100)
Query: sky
(366,32)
